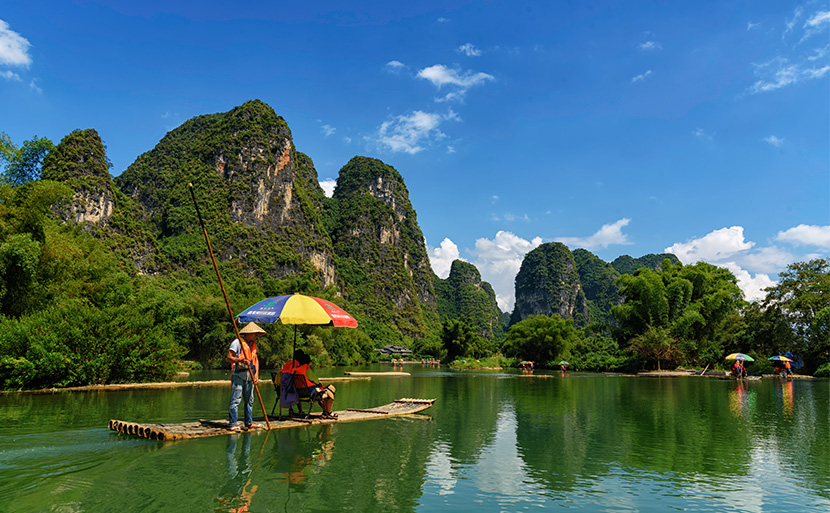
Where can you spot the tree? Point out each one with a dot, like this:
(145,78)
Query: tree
(803,295)
(678,313)
(460,339)
(540,338)
(23,165)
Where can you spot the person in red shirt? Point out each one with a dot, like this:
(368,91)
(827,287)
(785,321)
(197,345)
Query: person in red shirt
(308,385)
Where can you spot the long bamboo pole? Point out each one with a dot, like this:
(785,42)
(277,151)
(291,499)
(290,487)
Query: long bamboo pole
(228,303)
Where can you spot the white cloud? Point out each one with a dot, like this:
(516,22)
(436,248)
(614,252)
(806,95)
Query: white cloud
(608,235)
(499,260)
(753,288)
(328,186)
(441,75)
(347,139)
(454,96)
(11,76)
(14,48)
(816,72)
(33,86)
(469,50)
(410,133)
(791,23)
(395,66)
(514,217)
(441,258)
(443,20)
(651,45)
(807,234)
(818,19)
(770,259)
(794,63)
(774,141)
(328,130)
(818,53)
(718,245)
(750,25)
(702,134)
(641,77)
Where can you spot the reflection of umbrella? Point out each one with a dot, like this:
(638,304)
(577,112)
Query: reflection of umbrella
(298,309)
(780,359)
(563,362)
(740,356)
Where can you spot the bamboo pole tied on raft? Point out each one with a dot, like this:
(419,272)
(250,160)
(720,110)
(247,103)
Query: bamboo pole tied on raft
(227,302)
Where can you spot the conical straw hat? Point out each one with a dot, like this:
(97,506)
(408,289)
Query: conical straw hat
(251,327)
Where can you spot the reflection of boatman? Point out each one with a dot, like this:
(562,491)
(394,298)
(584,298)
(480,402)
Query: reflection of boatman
(235,497)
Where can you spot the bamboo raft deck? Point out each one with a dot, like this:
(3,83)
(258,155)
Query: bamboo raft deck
(203,428)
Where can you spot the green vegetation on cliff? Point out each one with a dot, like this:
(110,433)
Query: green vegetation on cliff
(464,296)
(381,254)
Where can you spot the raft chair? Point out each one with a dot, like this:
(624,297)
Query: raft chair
(295,382)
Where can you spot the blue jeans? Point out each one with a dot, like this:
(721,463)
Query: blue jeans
(241,386)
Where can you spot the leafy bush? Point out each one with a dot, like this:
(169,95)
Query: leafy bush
(823,371)
(74,344)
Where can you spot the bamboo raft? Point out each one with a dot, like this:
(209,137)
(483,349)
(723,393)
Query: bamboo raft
(203,428)
(388,373)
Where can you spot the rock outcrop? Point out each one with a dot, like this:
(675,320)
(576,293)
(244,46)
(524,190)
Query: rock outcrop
(259,196)
(548,283)
(381,251)
(80,161)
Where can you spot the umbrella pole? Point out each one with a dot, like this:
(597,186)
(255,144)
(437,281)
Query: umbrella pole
(227,303)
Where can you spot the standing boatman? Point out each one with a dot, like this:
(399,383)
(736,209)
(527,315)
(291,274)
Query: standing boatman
(244,362)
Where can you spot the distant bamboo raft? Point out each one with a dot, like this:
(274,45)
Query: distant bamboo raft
(164,384)
(391,373)
(203,428)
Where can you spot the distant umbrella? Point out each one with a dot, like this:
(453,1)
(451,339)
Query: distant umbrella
(740,356)
(563,362)
(780,359)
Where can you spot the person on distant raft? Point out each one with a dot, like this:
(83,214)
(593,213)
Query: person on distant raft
(244,361)
(738,369)
(312,387)
(788,369)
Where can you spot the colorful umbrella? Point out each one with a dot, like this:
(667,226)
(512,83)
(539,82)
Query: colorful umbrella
(297,309)
(739,356)
(563,362)
(780,359)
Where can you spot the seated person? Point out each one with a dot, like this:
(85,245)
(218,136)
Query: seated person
(309,385)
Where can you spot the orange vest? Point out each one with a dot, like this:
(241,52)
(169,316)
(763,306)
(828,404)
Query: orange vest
(248,353)
(293,367)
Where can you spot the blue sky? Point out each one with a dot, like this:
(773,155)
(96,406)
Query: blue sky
(697,128)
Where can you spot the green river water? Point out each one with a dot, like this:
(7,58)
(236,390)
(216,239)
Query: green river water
(493,442)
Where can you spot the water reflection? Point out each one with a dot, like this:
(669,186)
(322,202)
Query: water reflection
(235,496)
(299,453)
(498,442)
(787,398)
(742,399)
